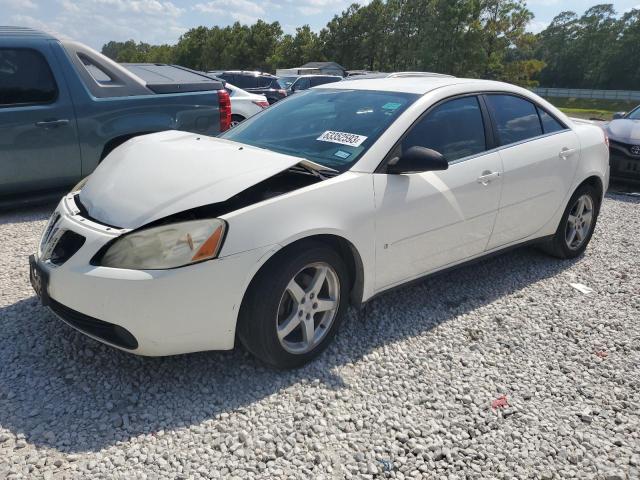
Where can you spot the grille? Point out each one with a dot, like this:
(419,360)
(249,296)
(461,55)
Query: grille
(68,244)
(48,231)
(106,331)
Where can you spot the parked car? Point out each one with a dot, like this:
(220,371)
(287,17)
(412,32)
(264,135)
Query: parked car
(326,199)
(64,107)
(624,145)
(243,103)
(298,83)
(254,82)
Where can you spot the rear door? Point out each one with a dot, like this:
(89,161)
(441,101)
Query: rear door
(39,147)
(426,221)
(540,156)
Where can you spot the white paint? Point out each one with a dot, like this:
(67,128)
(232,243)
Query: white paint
(402,226)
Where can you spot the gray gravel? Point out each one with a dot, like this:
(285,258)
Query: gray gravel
(407,394)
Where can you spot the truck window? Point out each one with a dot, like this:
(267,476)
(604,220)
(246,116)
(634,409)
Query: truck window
(25,78)
(97,73)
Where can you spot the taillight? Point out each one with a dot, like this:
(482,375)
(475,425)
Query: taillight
(262,103)
(224,105)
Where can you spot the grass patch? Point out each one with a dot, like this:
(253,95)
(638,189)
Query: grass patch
(591,108)
(588,114)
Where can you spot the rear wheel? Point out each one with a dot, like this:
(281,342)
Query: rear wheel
(577,224)
(236,120)
(294,305)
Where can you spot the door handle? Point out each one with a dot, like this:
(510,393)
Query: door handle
(52,123)
(487,177)
(566,152)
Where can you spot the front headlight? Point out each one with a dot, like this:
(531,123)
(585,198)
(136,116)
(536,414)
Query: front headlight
(166,246)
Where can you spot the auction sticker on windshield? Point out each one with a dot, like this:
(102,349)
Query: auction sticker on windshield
(343,138)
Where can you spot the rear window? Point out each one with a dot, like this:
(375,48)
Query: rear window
(25,78)
(96,72)
(516,119)
(245,81)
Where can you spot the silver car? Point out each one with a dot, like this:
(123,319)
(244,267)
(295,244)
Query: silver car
(624,144)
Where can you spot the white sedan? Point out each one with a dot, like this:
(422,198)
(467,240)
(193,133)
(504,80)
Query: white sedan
(179,242)
(244,104)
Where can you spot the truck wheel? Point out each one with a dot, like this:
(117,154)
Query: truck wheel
(236,120)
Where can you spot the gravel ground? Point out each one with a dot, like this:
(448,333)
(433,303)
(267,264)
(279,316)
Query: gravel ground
(406,394)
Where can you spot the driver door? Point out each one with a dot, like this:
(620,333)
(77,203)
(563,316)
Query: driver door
(427,221)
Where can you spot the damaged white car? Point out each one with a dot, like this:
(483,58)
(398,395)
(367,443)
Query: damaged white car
(179,243)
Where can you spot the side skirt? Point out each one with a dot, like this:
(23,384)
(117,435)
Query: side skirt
(464,263)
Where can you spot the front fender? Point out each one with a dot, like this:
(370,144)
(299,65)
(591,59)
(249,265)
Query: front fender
(342,206)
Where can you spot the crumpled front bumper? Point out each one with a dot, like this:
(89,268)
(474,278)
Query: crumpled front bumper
(167,312)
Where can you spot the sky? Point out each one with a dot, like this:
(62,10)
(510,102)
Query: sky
(95,22)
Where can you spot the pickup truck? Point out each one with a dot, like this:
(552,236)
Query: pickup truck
(64,107)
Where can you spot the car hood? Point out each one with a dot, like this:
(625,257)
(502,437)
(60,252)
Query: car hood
(153,176)
(624,130)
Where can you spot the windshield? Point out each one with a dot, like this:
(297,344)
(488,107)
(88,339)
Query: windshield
(330,127)
(286,82)
(635,114)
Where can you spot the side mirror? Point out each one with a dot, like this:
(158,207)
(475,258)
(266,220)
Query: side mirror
(416,160)
(619,115)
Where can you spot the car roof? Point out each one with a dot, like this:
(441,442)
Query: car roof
(418,85)
(9,31)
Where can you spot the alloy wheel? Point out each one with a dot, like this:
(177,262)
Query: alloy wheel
(579,222)
(308,308)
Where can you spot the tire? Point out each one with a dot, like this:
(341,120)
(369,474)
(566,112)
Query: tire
(560,245)
(270,309)
(236,119)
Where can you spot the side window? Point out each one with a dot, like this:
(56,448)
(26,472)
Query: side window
(96,72)
(314,81)
(549,124)
(303,83)
(264,82)
(454,128)
(25,78)
(516,119)
(246,81)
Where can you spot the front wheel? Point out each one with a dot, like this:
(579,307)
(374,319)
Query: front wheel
(294,305)
(577,224)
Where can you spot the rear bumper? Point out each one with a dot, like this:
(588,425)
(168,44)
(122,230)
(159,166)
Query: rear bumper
(154,313)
